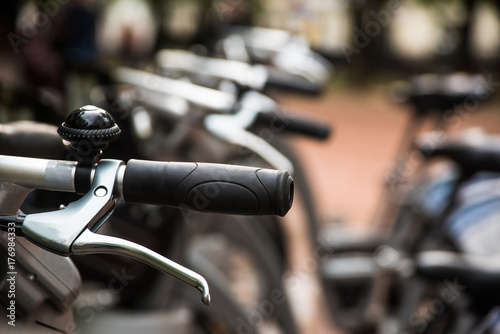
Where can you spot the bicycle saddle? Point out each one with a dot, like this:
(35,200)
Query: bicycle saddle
(477,272)
(473,151)
(439,93)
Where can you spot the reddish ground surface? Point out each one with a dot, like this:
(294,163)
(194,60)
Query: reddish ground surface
(347,170)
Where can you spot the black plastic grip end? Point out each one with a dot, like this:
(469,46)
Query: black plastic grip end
(208,187)
(279,188)
(294,124)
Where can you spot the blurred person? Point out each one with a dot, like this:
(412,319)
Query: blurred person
(127,30)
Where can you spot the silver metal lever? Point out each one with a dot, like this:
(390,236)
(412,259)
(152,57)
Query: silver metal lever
(93,243)
(70,230)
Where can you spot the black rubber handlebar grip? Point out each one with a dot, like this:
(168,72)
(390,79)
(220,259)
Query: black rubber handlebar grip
(307,127)
(209,187)
(31,139)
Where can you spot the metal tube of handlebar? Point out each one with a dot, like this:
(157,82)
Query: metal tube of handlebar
(254,76)
(38,173)
(198,95)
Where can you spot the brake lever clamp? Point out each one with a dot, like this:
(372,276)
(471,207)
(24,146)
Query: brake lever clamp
(71,229)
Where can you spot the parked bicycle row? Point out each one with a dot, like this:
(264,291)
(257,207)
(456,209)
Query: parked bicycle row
(208,216)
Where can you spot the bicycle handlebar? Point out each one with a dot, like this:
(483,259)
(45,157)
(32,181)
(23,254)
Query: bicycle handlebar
(295,83)
(201,187)
(32,139)
(294,124)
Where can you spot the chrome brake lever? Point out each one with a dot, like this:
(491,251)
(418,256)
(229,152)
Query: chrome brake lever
(70,230)
(233,129)
(93,243)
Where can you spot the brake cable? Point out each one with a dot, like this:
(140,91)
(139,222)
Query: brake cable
(6,222)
